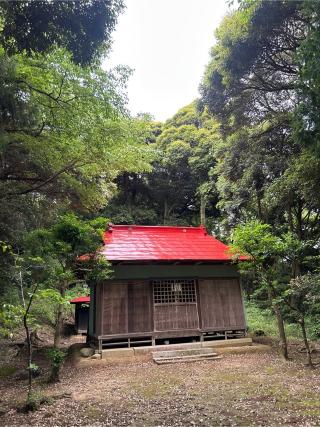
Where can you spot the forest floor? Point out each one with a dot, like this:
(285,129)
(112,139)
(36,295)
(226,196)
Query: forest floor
(238,390)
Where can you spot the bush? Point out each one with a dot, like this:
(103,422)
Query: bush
(34,401)
(56,356)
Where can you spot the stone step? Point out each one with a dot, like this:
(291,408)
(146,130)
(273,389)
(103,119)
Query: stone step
(163,361)
(185,355)
(180,356)
(184,352)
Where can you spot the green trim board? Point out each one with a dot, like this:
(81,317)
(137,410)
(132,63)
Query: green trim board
(139,272)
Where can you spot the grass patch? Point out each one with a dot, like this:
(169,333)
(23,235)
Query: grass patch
(155,389)
(270,370)
(93,413)
(264,320)
(6,371)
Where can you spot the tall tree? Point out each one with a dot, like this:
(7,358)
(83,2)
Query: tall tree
(307,123)
(262,84)
(181,183)
(254,83)
(82,27)
(59,247)
(65,134)
(252,73)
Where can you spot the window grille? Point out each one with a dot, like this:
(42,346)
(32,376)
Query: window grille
(174,291)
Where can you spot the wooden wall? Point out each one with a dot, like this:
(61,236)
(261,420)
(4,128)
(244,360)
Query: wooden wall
(124,307)
(81,318)
(176,316)
(221,304)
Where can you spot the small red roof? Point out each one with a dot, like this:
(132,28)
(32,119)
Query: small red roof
(162,243)
(83,300)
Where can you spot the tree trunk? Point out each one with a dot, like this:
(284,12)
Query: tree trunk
(29,344)
(259,205)
(306,343)
(295,268)
(165,212)
(282,333)
(299,220)
(290,218)
(203,203)
(280,324)
(59,320)
(55,374)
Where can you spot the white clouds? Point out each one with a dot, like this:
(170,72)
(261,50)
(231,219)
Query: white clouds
(167,43)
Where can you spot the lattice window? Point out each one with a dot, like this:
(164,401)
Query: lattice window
(174,291)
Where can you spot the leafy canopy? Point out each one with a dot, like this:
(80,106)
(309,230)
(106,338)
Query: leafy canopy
(82,27)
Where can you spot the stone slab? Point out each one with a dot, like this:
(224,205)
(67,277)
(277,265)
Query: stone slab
(184,360)
(255,348)
(164,347)
(233,342)
(203,351)
(117,353)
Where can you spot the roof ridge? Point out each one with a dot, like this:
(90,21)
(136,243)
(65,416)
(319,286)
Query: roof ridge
(160,227)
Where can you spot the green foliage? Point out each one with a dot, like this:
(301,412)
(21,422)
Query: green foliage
(56,356)
(66,240)
(50,262)
(10,319)
(46,303)
(58,248)
(67,143)
(304,294)
(171,193)
(262,84)
(307,124)
(98,270)
(263,320)
(258,242)
(34,368)
(260,61)
(35,400)
(251,72)
(271,258)
(84,28)
(65,132)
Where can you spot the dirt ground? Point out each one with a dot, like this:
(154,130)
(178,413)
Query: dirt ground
(238,390)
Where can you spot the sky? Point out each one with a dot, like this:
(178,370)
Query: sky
(167,43)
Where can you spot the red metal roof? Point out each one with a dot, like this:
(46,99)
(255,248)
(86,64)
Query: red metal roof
(83,300)
(144,243)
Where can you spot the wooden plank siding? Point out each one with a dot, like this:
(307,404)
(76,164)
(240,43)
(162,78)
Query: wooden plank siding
(115,308)
(140,307)
(221,304)
(127,307)
(176,316)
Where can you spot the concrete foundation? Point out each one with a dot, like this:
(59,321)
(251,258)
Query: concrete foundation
(125,353)
(117,353)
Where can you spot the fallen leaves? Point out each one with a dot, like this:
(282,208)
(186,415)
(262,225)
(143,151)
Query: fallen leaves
(246,389)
